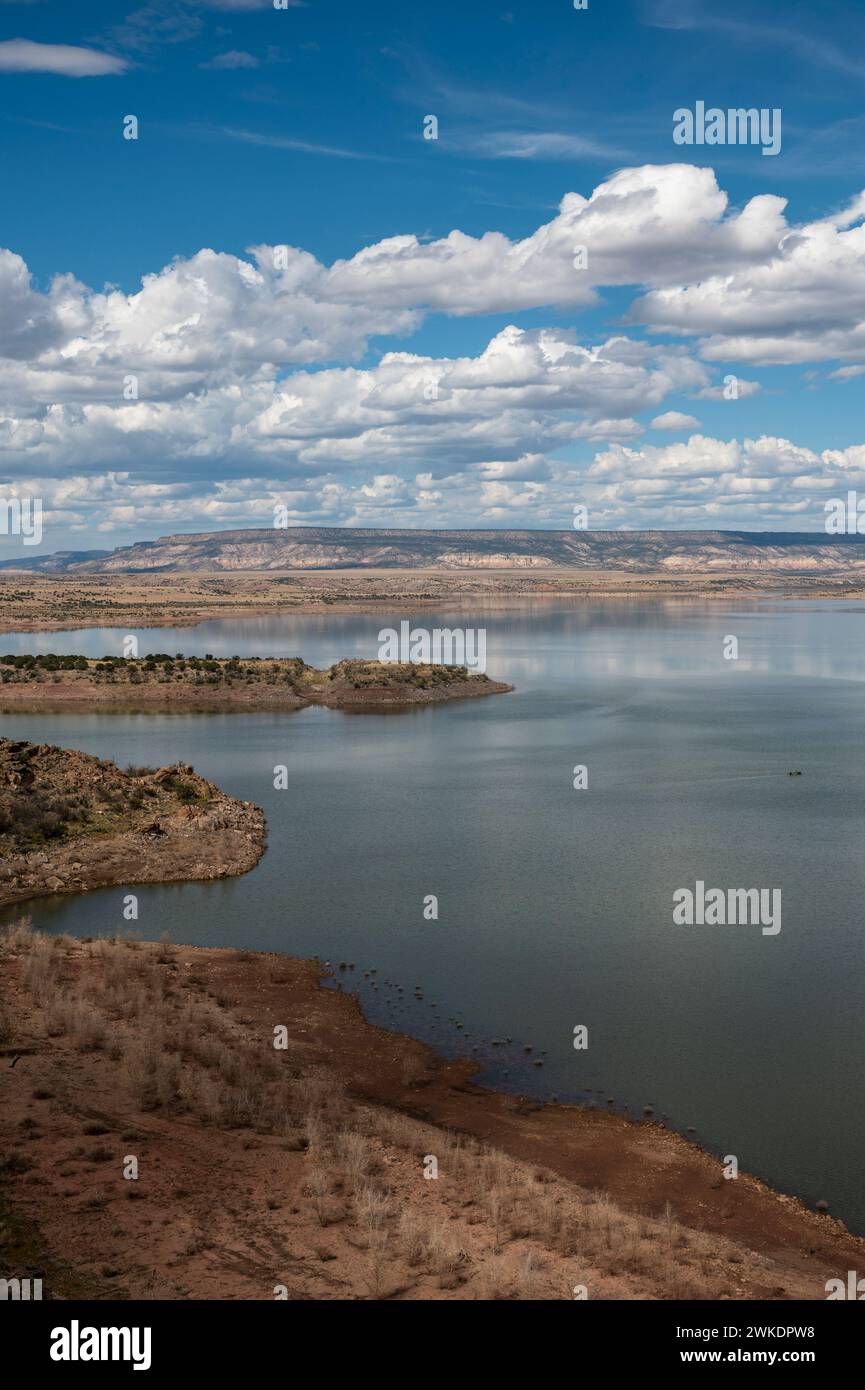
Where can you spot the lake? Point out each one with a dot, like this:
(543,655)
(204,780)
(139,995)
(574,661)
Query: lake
(555,905)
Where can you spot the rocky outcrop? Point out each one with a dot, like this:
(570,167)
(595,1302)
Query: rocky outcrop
(70,822)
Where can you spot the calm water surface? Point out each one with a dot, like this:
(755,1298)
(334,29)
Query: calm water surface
(555,905)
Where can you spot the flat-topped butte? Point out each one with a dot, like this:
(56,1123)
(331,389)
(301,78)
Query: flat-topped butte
(164,682)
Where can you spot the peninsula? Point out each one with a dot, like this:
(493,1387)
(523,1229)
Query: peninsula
(163,682)
(71,822)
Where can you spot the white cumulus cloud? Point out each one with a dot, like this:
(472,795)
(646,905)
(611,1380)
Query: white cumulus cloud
(23,55)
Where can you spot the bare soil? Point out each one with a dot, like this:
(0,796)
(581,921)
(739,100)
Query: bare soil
(299,1172)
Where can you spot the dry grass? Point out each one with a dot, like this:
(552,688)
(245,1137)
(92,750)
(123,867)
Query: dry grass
(489,1226)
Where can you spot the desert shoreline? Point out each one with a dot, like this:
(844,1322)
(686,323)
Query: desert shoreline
(785,1250)
(186,829)
(766,1243)
(31,603)
(643,1166)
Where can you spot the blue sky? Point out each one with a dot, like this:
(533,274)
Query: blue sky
(467,374)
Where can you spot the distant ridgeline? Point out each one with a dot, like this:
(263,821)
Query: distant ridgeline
(333,547)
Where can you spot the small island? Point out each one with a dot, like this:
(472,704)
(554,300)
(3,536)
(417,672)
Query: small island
(71,822)
(164,683)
